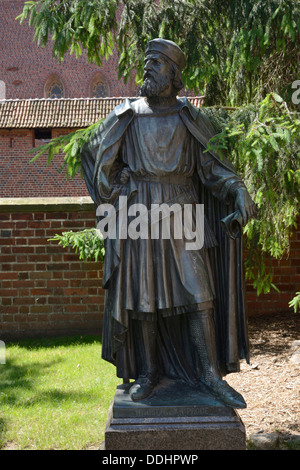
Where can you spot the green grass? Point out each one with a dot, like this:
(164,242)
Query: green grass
(55,394)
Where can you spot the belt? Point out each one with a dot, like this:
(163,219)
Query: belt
(165,179)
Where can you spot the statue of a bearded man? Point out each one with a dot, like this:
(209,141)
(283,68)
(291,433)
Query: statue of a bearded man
(170,311)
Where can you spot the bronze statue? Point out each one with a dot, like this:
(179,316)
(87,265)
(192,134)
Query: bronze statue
(170,311)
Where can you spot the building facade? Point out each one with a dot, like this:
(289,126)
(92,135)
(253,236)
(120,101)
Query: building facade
(29,71)
(24,126)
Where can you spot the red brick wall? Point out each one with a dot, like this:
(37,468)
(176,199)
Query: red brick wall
(45,289)
(25,67)
(20,178)
(286,276)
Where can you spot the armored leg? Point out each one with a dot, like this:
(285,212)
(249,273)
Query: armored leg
(144,385)
(202,334)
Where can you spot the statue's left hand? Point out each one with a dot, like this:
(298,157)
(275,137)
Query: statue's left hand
(245,205)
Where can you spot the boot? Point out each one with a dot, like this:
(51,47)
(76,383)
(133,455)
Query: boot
(145,384)
(202,333)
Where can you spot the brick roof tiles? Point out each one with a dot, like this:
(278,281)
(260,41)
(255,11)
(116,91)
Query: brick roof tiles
(59,113)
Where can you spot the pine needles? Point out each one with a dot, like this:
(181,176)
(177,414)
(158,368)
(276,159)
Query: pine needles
(263,143)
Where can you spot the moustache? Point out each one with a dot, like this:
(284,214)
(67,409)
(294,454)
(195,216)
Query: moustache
(149,76)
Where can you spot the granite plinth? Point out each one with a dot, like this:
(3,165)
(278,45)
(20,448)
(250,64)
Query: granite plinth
(176,417)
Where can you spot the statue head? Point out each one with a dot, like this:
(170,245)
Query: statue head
(164,61)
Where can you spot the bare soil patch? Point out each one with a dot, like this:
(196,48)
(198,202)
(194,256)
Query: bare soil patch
(270,385)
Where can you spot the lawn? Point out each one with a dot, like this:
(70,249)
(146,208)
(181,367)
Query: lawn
(55,394)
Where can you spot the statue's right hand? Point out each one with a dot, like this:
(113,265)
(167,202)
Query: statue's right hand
(124,176)
(245,205)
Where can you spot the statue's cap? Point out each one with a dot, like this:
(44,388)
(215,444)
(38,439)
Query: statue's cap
(169,49)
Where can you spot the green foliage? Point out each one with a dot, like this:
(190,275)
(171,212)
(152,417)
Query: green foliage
(73,25)
(89,243)
(263,143)
(70,145)
(237,50)
(295,302)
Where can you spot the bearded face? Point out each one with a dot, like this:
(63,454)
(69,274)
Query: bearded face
(155,85)
(157,77)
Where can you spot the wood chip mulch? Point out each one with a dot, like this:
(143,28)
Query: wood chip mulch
(270,385)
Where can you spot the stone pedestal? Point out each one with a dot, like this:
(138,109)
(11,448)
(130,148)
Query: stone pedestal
(176,417)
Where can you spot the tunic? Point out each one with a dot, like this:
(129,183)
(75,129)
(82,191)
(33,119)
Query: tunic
(160,276)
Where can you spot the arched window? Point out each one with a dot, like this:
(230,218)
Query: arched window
(98,87)
(99,90)
(54,88)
